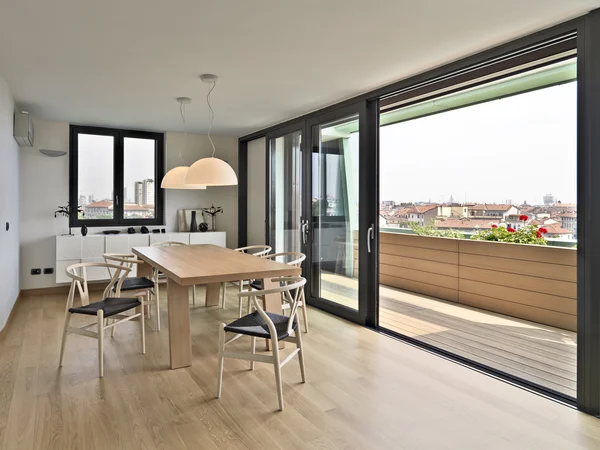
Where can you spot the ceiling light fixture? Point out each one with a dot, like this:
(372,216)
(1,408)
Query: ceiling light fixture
(211,171)
(175,178)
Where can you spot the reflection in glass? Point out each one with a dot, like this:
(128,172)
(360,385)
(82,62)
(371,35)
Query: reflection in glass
(335,212)
(286,190)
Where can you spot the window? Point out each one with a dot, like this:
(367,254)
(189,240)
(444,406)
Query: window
(114,176)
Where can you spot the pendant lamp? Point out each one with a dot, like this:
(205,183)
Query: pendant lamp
(210,171)
(175,178)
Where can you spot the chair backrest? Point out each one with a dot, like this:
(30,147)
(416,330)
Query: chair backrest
(291,258)
(128,260)
(291,290)
(79,280)
(167,244)
(255,250)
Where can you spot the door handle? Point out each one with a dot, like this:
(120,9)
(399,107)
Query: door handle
(370,236)
(304,230)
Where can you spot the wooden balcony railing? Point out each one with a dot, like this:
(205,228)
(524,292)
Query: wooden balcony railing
(530,282)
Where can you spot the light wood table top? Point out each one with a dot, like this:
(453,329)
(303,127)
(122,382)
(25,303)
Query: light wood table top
(205,264)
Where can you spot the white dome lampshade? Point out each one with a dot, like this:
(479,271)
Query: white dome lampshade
(175,178)
(211,172)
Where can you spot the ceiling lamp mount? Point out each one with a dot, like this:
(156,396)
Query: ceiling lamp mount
(211,171)
(175,178)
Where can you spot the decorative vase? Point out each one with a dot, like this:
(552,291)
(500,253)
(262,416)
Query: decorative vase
(203,227)
(193,224)
(84,230)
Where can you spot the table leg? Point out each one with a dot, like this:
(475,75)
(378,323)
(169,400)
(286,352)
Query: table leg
(272,303)
(144,270)
(213,294)
(180,339)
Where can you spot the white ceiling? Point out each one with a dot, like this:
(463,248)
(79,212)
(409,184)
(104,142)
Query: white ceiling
(122,62)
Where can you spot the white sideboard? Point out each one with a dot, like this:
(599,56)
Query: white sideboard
(76,249)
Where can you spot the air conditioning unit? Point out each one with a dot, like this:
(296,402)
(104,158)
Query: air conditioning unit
(23,129)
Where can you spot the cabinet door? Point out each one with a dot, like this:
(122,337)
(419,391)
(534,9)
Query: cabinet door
(61,267)
(117,244)
(138,240)
(213,237)
(184,238)
(92,247)
(96,273)
(68,248)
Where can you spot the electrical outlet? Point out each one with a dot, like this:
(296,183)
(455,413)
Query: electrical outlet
(48,270)
(36,271)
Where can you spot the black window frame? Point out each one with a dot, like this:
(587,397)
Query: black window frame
(119,136)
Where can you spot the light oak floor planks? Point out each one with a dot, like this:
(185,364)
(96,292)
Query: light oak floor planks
(364,391)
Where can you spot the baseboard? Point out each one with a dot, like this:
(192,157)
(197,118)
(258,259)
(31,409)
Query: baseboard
(59,290)
(10,316)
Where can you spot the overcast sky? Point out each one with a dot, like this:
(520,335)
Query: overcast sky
(96,163)
(518,148)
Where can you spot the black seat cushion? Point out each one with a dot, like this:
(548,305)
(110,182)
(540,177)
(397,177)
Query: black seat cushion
(135,284)
(256,284)
(110,306)
(254,325)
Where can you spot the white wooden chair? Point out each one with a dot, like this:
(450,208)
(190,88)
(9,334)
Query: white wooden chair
(112,306)
(261,324)
(254,250)
(293,259)
(140,287)
(159,277)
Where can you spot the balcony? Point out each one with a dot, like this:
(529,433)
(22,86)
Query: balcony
(511,307)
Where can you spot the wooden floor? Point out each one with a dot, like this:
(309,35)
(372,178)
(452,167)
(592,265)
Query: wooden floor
(364,391)
(537,353)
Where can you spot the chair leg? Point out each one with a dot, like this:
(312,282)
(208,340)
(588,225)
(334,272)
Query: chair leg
(277,367)
(221,350)
(157,301)
(143,329)
(100,315)
(112,332)
(252,350)
(305,316)
(298,334)
(64,338)
(194,295)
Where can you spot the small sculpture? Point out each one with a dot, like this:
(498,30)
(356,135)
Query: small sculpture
(130,230)
(203,227)
(212,211)
(69,211)
(144,230)
(193,223)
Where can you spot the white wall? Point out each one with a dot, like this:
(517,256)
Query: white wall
(45,186)
(256,192)
(9,207)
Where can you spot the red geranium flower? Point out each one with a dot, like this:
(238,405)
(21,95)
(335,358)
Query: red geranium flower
(538,234)
(523,217)
(494,225)
(511,230)
(543,230)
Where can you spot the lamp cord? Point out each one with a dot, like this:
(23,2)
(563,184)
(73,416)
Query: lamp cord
(182,113)
(211,116)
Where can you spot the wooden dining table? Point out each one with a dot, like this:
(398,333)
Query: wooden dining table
(204,265)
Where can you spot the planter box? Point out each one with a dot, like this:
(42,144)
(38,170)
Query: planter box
(530,282)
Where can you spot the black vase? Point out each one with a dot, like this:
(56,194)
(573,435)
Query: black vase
(84,230)
(193,224)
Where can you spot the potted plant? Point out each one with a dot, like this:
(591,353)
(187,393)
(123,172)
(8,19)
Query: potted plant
(68,211)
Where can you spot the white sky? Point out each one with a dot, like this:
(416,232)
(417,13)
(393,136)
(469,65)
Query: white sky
(517,148)
(96,164)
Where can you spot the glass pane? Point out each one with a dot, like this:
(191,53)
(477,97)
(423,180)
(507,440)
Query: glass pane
(139,187)
(95,176)
(505,171)
(335,212)
(286,189)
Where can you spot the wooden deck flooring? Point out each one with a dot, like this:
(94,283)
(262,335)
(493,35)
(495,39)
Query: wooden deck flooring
(537,353)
